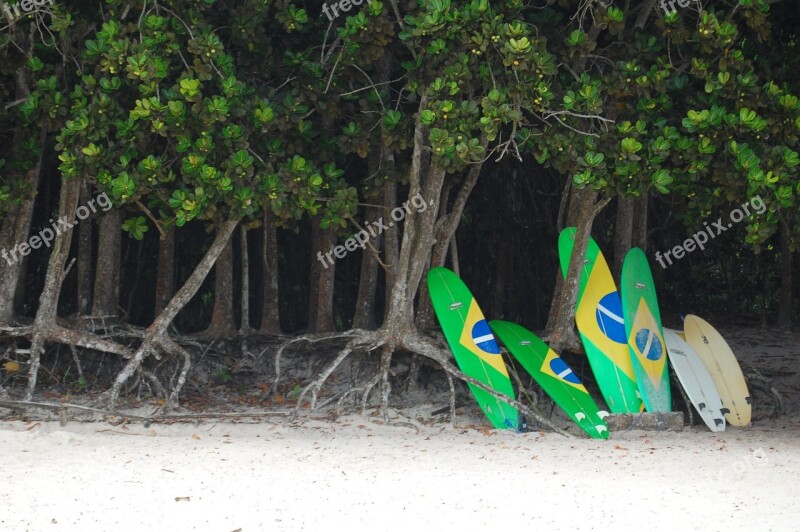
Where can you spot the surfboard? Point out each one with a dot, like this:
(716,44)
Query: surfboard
(644,333)
(473,344)
(721,363)
(554,376)
(601,326)
(696,380)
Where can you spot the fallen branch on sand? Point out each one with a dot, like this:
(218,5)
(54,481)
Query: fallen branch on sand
(63,407)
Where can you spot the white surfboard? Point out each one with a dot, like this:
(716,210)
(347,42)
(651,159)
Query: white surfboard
(696,380)
(721,363)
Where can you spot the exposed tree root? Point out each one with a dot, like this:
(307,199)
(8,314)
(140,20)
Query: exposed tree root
(173,347)
(756,381)
(311,338)
(366,341)
(411,341)
(365,392)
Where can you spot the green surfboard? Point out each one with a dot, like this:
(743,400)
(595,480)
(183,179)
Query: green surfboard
(554,376)
(645,335)
(473,344)
(601,326)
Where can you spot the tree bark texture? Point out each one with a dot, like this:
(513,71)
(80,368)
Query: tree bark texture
(320,307)
(222,317)
(165,273)
(364,317)
(107,271)
(270,312)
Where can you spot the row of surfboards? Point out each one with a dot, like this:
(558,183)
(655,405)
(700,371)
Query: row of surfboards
(626,346)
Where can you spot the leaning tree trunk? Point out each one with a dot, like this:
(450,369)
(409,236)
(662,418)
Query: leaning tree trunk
(45,321)
(270,309)
(107,270)
(585,207)
(785,304)
(156,335)
(320,302)
(222,318)
(165,272)
(15,229)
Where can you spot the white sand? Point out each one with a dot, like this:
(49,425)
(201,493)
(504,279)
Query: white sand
(361,474)
(358,473)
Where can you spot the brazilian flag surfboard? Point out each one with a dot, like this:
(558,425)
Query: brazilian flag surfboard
(473,344)
(645,335)
(600,324)
(554,376)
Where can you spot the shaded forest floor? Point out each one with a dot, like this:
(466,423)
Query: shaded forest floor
(237,376)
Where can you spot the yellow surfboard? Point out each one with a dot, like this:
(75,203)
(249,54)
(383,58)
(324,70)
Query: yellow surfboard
(721,363)
(602,326)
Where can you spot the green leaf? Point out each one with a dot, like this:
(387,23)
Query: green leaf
(631,145)
(135,227)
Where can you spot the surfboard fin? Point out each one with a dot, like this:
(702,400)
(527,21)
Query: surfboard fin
(701,406)
(602,414)
(580,416)
(718,422)
(747,399)
(724,411)
(601,428)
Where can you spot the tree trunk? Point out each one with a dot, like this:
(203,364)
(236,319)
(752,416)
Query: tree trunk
(623,233)
(45,320)
(583,210)
(425,317)
(222,318)
(165,273)
(244,326)
(391,243)
(364,317)
(320,304)
(158,329)
(270,313)
(15,229)
(85,258)
(107,271)
(785,305)
(445,230)
(425,180)
(640,221)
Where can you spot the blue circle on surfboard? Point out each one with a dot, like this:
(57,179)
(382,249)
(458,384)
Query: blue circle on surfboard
(563,371)
(609,318)
(655,350)
(484,339)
